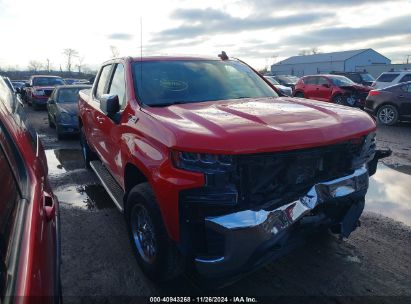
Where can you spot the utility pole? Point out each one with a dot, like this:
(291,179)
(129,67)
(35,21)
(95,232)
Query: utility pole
(408,58)
(48,65)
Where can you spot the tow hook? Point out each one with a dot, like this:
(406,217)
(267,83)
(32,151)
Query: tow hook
(379,154)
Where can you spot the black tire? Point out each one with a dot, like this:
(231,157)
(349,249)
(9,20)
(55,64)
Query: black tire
(340,99)
(387,115)
(88,154)
(299,95)
(166,262)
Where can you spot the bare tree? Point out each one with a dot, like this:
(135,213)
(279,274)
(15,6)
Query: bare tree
(34,65)
(70,54)
(315,50)
(79,65)
(114,51)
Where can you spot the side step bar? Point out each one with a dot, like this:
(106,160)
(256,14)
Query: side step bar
(108,182)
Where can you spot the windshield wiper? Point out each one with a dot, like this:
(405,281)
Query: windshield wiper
(166,104)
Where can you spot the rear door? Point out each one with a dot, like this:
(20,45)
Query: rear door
(310,85)
(93,113)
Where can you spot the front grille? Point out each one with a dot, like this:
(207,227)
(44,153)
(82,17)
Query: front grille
(265,179)
(48,92)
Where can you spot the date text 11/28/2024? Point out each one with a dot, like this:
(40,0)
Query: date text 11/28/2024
(203,300)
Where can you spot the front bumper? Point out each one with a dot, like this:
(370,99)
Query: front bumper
(252,237)
(68,128)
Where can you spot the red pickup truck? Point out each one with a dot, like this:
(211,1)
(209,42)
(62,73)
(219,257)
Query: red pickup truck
(215,171)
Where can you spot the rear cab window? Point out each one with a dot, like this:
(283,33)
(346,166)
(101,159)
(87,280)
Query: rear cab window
(387,77)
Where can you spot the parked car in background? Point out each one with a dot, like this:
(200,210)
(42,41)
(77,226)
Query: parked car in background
(39,89)
(358,77)
(283,89)
(29,220)
(213,170)
(286,80)
(62,109)
(332,88)
(387,79)
(391,104)
(18,85)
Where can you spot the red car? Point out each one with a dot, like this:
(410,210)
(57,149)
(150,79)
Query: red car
(332,88)
(214,171)
(39,89)
(29,226)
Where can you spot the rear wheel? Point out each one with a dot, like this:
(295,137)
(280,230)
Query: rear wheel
(156,254)
(88,154)
(387,115)
(299,95)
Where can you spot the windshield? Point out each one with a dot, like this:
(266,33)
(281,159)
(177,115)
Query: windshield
(68,95)
(162,83)
(341,81)
(272,80)
(47,81)
(367,77)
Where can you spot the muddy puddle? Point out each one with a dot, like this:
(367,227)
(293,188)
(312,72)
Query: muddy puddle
(389,193)
(85,197)
(63,160)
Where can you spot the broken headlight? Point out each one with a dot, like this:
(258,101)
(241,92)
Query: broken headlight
(366,153)
(202,162)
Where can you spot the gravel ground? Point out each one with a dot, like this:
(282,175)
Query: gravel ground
(98,261)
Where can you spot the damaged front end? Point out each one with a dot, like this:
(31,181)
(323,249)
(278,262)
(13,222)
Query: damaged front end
(354,96)
(254,207)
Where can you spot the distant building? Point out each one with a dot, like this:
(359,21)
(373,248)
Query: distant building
(347,61)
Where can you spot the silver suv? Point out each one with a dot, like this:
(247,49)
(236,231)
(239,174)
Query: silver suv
(387,79)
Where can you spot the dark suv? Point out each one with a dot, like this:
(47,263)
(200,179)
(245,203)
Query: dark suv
(357,77)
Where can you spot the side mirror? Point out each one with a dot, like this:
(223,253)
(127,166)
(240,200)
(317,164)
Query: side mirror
(17,90)
(325,85)
(51,101)
(109,104)
(27,85)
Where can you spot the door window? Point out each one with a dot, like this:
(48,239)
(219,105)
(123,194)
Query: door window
(387,77)
(322,80)
(101,85)
(118,85)
(310,80)
(406,88)
(406,78)
(9,197)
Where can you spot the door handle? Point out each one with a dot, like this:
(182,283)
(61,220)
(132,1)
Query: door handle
(49,206)
(400,96)
(100,119)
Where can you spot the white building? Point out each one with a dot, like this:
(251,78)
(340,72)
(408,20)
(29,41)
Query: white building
(346,61)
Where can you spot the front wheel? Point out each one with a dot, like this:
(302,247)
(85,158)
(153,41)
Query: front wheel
(156,254)
(341,100)
(387,115)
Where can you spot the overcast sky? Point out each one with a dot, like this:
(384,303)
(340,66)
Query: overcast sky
(258,31)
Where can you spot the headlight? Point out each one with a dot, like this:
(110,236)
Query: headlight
(39,93)
(65,117)
(201,162)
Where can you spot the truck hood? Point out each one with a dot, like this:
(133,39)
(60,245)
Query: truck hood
(258,125)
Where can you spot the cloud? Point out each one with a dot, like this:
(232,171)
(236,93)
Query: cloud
(120,36)
(392,27)
(207,22)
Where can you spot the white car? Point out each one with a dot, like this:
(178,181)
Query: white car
(283,89)
(387,79)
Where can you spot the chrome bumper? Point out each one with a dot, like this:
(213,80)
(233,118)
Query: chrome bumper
(248,231)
